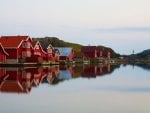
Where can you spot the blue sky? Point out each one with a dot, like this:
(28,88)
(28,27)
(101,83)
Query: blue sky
(123,25)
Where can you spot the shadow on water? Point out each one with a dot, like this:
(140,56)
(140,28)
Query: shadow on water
(22,80)
(144,66)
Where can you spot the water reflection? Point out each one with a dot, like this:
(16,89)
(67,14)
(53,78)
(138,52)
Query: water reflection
(22,80)
(144,66)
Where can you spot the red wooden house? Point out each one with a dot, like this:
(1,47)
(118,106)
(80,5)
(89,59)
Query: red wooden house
(50,53)
(100,51)
(18,47)
(49,50)
(106,54)
(38,54)
(89,51)
(56,54)
(3,54)
(95,52)
(66,53)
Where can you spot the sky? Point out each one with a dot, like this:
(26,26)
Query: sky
(123,25)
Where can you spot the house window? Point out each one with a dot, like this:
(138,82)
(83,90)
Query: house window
(24,54)
(28,54)
(49,50)
(28,45)
(37,53)
(100,53)
(24,45)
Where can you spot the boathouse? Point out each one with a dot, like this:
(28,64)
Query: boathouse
(49,49)
(95,52)
(38,54)
(89,51)
(18,47)
(106,54)
(66,53)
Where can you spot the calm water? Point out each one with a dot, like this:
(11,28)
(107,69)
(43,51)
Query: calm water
(80,89)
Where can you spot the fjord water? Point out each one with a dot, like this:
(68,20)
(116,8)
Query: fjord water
(80,89)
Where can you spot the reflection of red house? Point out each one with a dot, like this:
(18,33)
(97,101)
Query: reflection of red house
(36,75)
(69,69)
(3,54)
(12,82)
(2,74)
(99,71)
(93,71)
(47,75)
(11,86)
(15,80)
(18,48)
(26,80)
(50,74)
(89,71)
(106,69)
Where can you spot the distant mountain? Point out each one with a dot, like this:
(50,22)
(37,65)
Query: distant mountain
(143,54)
(56,42)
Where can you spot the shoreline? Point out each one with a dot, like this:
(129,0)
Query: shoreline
(71,63)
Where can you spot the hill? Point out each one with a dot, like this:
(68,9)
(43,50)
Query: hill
(144,54)
(56,42)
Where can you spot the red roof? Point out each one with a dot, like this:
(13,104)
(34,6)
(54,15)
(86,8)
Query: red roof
(37,42)
(12,41)
(100,48)
(34,43)
(88,48)
(11,86)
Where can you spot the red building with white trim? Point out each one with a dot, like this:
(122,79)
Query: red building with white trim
(49,49)
(18,47)
(50,53)
(38,54)
(65,53)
